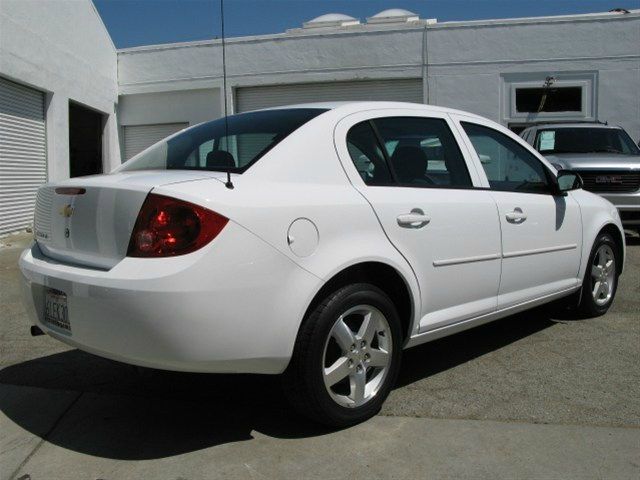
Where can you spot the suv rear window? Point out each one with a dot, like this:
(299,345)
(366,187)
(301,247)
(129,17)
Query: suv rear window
(234,144)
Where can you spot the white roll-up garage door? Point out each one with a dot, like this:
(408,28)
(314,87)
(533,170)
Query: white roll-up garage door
(403,90)
(139,137)
(23,153)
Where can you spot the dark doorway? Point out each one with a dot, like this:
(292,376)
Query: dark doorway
(85,141)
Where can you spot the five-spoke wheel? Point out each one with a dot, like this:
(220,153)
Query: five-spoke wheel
(357,355)
(603,274)
(346,356)
(601,278)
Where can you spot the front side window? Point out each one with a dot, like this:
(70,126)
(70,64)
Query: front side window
(234,144)
(585,140)
(508,165)
(422,152)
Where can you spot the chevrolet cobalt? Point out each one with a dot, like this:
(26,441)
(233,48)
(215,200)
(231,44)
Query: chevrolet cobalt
(315,241)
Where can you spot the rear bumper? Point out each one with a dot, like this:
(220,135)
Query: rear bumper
(628,204)
(234,306)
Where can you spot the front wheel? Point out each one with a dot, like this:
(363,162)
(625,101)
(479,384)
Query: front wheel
(346,357)
(601,278)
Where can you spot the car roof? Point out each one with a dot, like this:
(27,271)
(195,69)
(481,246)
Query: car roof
(358,106)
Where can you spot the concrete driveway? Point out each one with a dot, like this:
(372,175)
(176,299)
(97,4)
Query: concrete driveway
(530,396)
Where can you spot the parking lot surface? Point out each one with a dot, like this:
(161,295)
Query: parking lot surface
(539,394)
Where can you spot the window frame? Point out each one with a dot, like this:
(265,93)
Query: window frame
(587,80)
(550,176)
(585,87)
(344,126)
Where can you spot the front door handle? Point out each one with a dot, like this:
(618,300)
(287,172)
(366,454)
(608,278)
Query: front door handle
(415,219)
(517,216)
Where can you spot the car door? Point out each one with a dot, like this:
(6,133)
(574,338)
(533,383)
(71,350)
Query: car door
(541,230)
(419,182)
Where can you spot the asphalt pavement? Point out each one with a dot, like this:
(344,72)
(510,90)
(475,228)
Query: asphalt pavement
(536,395)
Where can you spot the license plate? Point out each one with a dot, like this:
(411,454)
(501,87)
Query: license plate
(56,313)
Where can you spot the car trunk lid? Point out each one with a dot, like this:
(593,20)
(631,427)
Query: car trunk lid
(88,220)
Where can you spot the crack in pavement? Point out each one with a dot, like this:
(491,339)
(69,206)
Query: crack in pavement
(44,438)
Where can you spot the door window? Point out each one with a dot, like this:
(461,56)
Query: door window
(508,165)
(407,151)
(422,152)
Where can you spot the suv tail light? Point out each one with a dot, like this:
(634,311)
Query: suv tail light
(167,226)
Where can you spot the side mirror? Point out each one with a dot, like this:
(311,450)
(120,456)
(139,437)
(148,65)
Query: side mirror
(568,180)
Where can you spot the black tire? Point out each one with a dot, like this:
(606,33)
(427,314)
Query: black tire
(588,306)
(304,379)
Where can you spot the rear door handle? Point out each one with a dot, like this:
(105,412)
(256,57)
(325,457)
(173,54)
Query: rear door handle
(517,216)
(415,219)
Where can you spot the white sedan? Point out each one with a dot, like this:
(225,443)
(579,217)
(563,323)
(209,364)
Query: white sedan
(318,241)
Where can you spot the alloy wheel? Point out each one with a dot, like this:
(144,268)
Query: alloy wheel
(603,275)
(357,355)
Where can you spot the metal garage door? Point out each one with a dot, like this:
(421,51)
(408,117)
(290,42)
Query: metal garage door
(252,98)
(139,137)
(23,153)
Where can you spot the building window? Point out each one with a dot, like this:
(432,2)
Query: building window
(559,99)
(554,96)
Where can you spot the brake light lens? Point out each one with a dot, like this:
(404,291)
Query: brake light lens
(167,227)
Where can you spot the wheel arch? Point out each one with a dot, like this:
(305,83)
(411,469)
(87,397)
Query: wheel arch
(383,276)
(618,236)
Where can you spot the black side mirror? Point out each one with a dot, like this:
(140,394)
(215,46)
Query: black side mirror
(568,180)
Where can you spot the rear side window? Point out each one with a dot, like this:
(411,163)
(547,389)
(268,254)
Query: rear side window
(407,151)
(234,144)
(367,155)
(508,165)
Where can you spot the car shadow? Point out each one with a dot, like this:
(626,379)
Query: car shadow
(443,354)
(121,412)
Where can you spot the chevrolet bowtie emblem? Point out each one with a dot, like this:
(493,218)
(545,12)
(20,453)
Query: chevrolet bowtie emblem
(66,211)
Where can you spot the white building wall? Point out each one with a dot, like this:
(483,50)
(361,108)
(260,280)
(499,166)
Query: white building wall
(63,49)
(188,106)
(273,59)
(471,63)
(467,65)
(191,106)
(270,60)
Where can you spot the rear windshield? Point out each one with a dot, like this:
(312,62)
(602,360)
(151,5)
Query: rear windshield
(585,140)
(233,145)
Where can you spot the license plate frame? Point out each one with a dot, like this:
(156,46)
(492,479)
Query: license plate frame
(56,311)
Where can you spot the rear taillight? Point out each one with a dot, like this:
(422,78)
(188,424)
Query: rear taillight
(167,226)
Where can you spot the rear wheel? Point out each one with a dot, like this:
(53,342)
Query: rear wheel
(346,357)
(601,278)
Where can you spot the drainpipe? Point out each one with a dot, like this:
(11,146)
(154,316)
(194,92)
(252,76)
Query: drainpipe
(425,68)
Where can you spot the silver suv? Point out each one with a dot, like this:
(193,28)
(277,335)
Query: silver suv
(604,155)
